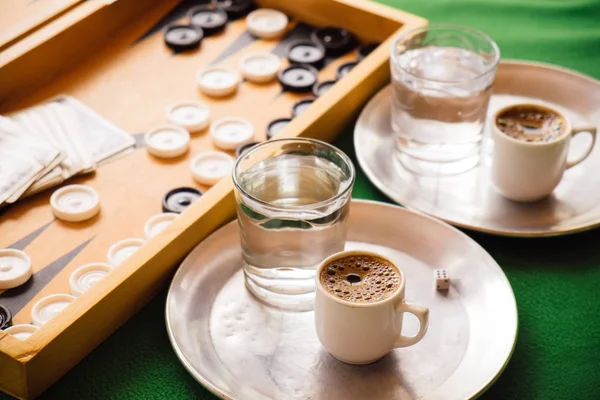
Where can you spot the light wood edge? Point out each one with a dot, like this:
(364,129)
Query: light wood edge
(48,15)
(98,313)
(403,17)
(74,35)
(379,20)
(51,30)
(14,354)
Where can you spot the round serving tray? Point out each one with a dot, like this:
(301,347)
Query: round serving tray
(467,200)
(241,349)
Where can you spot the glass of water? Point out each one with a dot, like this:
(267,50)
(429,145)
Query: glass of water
(293,198)
(442,78)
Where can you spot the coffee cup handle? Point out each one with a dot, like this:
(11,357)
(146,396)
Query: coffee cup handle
(592,131)
(422,313)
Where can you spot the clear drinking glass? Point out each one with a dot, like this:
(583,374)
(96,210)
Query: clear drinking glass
(442,78)
(293,198)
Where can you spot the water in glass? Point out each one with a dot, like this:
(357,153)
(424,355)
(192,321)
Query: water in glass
(440,96)
(292,214)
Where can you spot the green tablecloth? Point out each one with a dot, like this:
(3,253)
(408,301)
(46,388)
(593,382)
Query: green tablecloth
(556,281)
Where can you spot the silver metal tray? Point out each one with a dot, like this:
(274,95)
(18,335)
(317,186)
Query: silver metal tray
(241,349)
(467,200)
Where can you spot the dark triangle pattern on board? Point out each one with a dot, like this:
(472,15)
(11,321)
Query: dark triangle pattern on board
(17,298)
(240,43)
(140,142)
(177,13)
(26,240)
(300,31)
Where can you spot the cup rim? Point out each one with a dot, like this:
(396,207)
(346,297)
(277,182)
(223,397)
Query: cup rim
(346,159)
(558,139)
(346,253)
(491,67)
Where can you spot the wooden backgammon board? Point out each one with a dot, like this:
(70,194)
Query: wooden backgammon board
(110,57)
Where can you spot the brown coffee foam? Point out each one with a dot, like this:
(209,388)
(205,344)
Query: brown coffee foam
(531,123)
(379,279)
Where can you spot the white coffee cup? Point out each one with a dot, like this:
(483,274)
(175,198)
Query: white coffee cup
(529,171)
(361,333)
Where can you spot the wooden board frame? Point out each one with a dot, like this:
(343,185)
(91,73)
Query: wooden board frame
(28,367)
(27,16)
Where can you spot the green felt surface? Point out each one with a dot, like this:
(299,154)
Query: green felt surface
(556,281)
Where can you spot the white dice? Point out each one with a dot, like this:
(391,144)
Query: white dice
(442,281)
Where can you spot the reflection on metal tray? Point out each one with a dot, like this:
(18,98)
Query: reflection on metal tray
(241,349)
(467,200)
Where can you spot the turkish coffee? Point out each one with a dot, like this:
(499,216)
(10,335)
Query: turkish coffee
(531,123)
(361,278)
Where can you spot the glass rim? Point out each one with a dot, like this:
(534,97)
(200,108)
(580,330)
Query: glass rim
(457,27)
(318,204)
